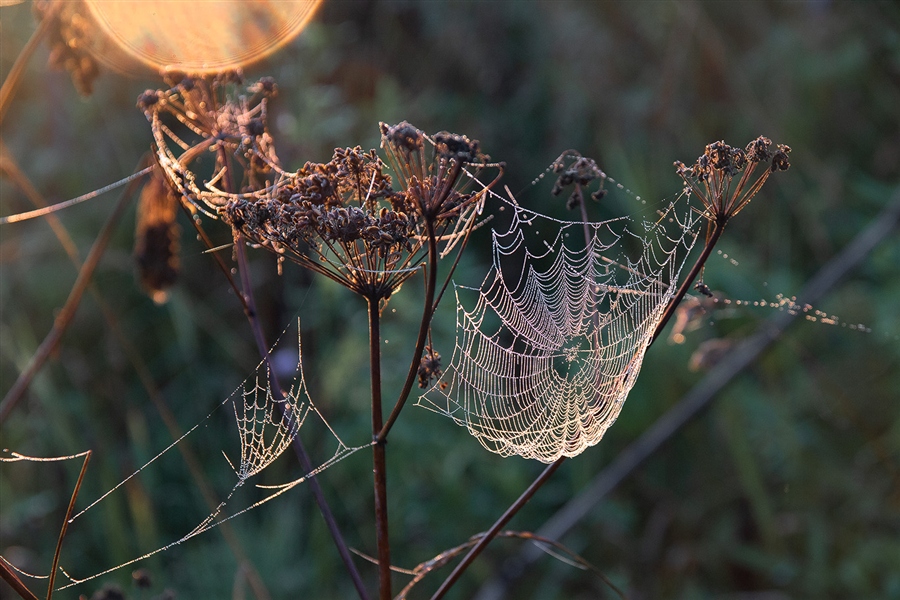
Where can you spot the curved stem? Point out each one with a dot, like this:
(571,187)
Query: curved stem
(427,314)
(378,454)
(718,228)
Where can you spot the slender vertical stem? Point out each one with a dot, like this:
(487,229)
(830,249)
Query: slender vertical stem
(719,227)
(378,454)
(305,462)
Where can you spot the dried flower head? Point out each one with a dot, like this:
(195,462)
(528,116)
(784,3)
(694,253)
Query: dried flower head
(429,367)
(580,171)
(711,177)
(342,218)
(203,115)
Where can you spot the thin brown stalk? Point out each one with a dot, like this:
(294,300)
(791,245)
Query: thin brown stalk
(67,313)
(8,90)
(10,168)
(219,262)
(378,452)
(491,533)
(422,570)
(65,525)
(10,577)
(718,228)
(305,462)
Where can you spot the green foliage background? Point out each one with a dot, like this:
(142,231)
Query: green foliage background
(789,487)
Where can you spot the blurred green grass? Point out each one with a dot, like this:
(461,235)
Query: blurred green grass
(790,484)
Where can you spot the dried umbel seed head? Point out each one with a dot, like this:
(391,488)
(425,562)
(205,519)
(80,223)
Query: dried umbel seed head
(403,136)
(200,115)
(580,171)
(436,189)
(429,367)
(457,147)
(711,177)
(780,160)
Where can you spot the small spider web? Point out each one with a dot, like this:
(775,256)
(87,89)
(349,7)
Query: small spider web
(555,340)
(267,425)
(268,422)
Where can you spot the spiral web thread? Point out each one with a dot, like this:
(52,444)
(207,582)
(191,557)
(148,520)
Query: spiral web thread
(268,425)
(546,357)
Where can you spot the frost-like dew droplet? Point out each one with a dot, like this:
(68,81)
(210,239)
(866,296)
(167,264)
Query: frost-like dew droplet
(555,340)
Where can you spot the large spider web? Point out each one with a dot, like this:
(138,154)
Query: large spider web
(555,340)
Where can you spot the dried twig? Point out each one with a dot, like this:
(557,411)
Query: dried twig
(67,312)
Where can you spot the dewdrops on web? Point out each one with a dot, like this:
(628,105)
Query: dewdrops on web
(549,350)
(695,311)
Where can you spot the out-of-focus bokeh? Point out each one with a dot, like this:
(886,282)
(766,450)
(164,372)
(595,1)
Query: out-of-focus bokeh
(787,487)
(197,37)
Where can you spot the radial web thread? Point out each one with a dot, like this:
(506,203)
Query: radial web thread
(546,357)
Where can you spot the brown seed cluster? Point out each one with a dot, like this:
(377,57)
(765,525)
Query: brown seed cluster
(580,171)
(157,238)
(430,368)
(69,34)
(712,176)
(342,218)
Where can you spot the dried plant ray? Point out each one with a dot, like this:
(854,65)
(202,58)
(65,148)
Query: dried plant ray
(547,355)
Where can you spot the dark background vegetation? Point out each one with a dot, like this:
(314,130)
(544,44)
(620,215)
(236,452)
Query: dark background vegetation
(788,487)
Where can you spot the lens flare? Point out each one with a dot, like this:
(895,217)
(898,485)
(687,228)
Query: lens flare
(197,36)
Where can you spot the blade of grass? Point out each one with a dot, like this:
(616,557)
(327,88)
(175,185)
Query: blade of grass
(65,525)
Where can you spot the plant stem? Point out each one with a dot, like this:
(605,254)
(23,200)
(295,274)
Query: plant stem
(65,525)
(378,454)
(15,73)
(14,582)
(491,533)
(427,314)
(719,227)
(305,463)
